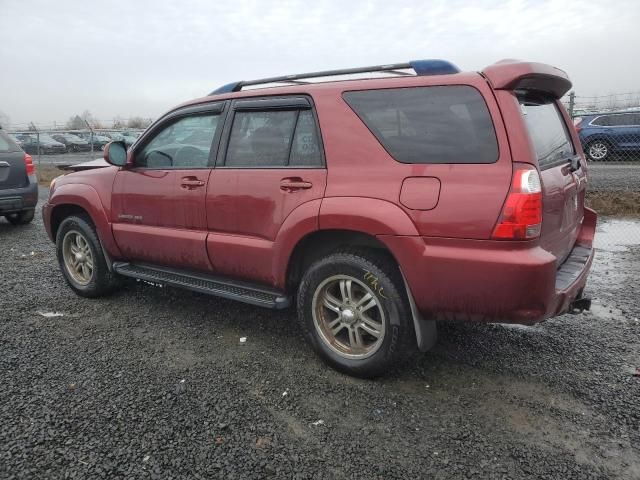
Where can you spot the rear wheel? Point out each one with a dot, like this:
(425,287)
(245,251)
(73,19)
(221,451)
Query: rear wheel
(20,218)
(353,310)
(81,258)
(598,150)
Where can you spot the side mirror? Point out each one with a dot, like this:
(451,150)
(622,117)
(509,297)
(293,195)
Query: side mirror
(115,153)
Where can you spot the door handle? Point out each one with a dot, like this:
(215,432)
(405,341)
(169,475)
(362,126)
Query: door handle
(191,183)
(293,184)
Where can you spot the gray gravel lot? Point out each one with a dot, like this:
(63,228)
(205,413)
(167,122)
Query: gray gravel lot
(153,383)
(614,177)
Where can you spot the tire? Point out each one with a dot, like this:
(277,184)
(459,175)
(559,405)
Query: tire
(372,275)
(95,280)
(598,151)
(20,218)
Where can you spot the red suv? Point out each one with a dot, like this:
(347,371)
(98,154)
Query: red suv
(376,205)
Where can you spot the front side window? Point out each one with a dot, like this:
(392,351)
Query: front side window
(185,143)
(603,121)
(443,124)
(272,139)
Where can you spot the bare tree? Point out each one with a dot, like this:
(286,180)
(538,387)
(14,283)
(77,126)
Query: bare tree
(76,123)
(118,122)
(138,122)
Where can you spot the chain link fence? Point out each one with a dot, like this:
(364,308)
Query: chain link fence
(55,146)
(608,125)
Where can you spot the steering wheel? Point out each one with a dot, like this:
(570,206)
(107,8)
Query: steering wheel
(190,156)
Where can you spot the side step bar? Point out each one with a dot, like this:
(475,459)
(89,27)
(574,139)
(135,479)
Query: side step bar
(203,283)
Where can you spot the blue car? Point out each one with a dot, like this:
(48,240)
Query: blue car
(605,134)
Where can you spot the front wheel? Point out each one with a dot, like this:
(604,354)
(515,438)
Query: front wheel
(598,151)
(81,258)
(353,310)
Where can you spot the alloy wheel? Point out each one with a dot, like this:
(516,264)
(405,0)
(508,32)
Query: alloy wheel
(348,317)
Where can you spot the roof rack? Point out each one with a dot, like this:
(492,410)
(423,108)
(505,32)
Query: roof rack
(421,67)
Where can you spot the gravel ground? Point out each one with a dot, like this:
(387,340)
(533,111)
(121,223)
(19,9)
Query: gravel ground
(154,383)
(614,177)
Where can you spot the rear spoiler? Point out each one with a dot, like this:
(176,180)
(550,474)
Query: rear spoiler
(517,75)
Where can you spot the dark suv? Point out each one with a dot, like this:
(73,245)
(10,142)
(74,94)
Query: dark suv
(605,135)
(18,183)
(376,206)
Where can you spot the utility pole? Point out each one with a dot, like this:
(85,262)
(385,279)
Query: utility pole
(37,141)
(91,130)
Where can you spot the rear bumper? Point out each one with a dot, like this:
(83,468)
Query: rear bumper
(18,199)
(490,281)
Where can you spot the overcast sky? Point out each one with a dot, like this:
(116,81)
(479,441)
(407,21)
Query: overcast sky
(127,58)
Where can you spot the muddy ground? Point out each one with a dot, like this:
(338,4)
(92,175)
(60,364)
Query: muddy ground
(154,383)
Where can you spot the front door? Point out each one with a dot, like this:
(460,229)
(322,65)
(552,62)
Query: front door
(270,164)
(158,202)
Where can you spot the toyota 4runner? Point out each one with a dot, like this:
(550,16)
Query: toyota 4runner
(377,205)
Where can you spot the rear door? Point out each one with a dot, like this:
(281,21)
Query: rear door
(562,175)
(13,171)
(270,163)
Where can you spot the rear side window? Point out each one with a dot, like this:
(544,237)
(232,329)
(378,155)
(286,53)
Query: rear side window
(603,121)
(7,144)
(446,124)
(548,132)
(272,139)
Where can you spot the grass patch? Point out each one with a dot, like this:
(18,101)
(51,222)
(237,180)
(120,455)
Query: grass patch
(619,203)
(46,173)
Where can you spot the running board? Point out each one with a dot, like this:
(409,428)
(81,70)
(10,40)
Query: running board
(203,283)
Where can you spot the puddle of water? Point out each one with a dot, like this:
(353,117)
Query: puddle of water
(617,235)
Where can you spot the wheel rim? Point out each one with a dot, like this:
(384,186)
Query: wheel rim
(598,150)
(78,259)
(348,317)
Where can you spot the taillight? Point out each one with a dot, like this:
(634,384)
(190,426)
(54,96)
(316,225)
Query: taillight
(28,163)
(521,217)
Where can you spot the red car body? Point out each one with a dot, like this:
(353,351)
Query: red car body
(436,220)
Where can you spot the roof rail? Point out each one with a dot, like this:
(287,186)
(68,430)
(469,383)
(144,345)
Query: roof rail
(421,67)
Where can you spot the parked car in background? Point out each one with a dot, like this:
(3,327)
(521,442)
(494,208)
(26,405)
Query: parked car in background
(606,134)
(127,137)
(72,142)
(438,195)
(18,182)
(41,144)
(98,141)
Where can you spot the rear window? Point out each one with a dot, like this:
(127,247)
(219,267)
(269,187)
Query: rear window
(548,132)
(7,144)
(445,124)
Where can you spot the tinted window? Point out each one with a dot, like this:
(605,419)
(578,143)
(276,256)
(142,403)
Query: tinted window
(273,139)
(305,150)
(185,143)
(429,124)
(548,132)
(622,120)
(7,144)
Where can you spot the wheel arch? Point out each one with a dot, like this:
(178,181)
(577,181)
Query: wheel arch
(82,199)
(320,243)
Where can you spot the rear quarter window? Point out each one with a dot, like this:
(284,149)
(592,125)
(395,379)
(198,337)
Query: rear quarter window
(442,124)
(547,131)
